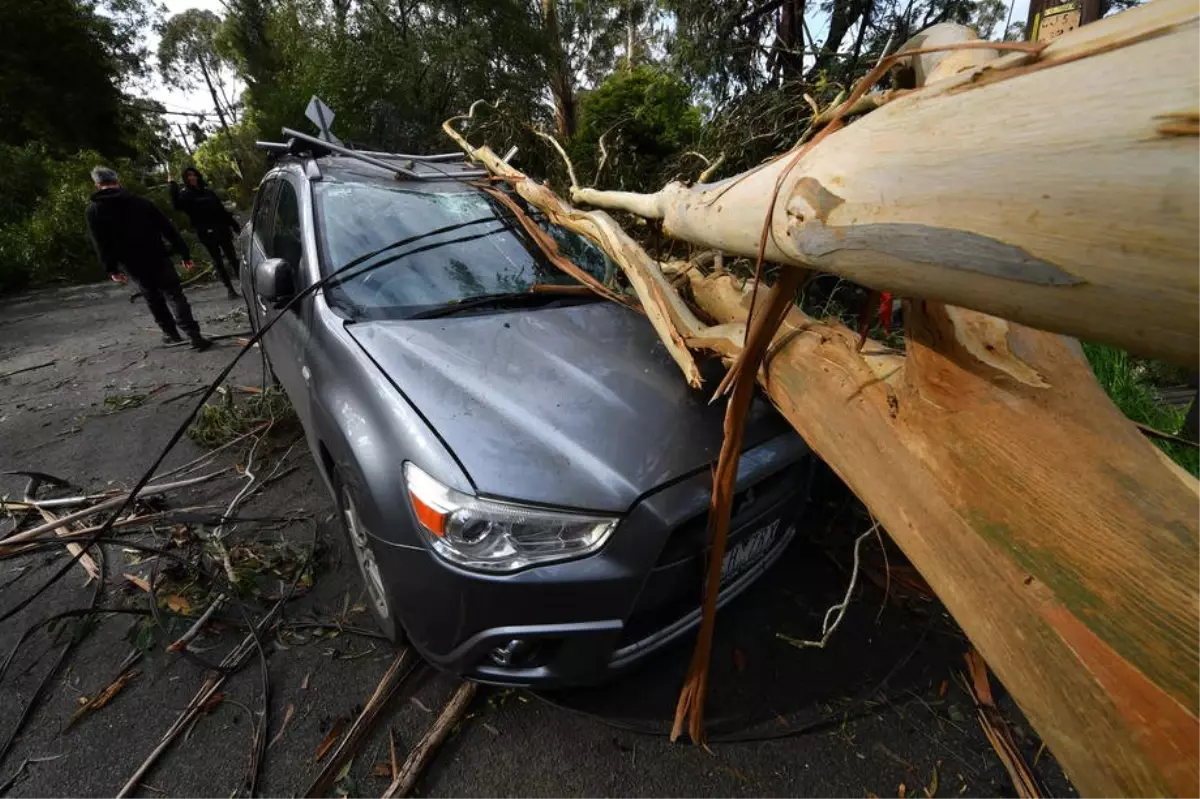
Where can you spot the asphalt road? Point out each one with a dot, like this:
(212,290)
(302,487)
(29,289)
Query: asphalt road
(877,709)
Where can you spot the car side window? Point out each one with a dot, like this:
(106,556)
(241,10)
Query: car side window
(262,212)
(285,236)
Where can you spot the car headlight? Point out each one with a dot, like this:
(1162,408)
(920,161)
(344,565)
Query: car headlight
(487,535)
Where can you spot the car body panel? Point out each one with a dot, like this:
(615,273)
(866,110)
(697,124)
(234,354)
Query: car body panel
(573,406)
(579,405)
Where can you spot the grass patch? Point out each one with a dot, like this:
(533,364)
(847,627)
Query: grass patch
(225,417)
(1130,383)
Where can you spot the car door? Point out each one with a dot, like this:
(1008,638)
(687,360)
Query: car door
(287,339)
(255,250)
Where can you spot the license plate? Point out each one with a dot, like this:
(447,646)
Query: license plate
(749,550)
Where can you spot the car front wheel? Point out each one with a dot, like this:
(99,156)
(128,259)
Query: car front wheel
(368,566)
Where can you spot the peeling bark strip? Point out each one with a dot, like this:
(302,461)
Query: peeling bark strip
(921,244)
(1022,174)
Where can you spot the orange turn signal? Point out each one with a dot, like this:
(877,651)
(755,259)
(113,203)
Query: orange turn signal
(433,519)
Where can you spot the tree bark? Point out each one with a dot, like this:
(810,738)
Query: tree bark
(1061,540)
(841,18)
(558,71)
(1081,220)
(1079,584)
(212,91)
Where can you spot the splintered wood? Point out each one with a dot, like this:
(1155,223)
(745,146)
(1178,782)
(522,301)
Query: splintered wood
(1062,542)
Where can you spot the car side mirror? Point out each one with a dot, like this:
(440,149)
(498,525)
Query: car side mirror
(275,281)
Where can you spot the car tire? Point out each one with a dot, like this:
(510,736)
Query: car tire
(379,601)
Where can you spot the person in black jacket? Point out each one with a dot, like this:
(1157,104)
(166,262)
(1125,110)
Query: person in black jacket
(213,223)
(127,232)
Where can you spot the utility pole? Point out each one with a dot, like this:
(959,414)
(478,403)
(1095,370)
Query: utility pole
(1049,19)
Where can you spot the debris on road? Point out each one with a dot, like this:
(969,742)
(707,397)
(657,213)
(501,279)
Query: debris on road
(405,666)
(423,752)
(996,728)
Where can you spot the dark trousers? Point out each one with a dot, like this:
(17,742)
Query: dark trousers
(216,242)
(160,285)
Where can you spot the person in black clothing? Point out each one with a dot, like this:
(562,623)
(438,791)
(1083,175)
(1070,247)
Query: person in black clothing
(213,223)
(127,232)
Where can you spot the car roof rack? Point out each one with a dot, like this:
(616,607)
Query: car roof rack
(401,165)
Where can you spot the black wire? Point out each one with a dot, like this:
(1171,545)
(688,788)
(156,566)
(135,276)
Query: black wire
(77,635)
(211,389)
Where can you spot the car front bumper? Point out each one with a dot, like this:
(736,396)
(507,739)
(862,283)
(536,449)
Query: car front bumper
(581,621)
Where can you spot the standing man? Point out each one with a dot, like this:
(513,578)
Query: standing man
(128,231)
(213,223)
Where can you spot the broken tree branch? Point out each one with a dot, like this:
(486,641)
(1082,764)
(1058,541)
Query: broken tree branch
(958,209)
(404,780)
(397,674)
(113,502)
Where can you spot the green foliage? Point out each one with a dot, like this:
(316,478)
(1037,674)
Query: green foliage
(230,159)
(223,419)
(47,239)
(647,118)
(60,69)
(187,47)
(1128,380)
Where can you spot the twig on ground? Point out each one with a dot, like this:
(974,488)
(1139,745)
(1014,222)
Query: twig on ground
(104,697)
(996,729)
(113,502)
(27,369)
(1150,432)
(182,642)
(287,717)
(423,752)
(397,674)
(232,662)
(828,628)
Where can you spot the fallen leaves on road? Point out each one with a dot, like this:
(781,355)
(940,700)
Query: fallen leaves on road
(104,697)
(287,716)
(178,604)
(335,732)
(212,702)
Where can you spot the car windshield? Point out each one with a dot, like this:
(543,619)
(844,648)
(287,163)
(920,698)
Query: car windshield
(490,254)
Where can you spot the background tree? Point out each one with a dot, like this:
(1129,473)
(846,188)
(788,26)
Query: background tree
(187,48)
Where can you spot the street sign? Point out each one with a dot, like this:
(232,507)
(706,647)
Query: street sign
(321,115)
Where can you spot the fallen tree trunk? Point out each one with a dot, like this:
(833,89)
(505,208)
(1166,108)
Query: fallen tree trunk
(1060,539)
(1059,189)
(1052,530)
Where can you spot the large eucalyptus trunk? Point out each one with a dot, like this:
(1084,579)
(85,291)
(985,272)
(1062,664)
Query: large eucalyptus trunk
(1061,540)
(1059,190)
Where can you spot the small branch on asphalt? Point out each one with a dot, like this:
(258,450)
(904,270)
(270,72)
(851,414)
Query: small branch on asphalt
(397,675)
(104,697)
(423,752)
(113,502)
(996,729)
(828,627)
(182,642)
(27,369)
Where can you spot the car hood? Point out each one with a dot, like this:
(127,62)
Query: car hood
(578,406)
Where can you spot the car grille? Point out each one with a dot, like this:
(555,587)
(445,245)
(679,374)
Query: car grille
(691,537)
(672,590)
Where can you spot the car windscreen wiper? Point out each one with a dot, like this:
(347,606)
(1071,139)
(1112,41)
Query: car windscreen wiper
(541,293)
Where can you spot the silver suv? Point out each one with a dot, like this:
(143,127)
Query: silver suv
(521,470)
